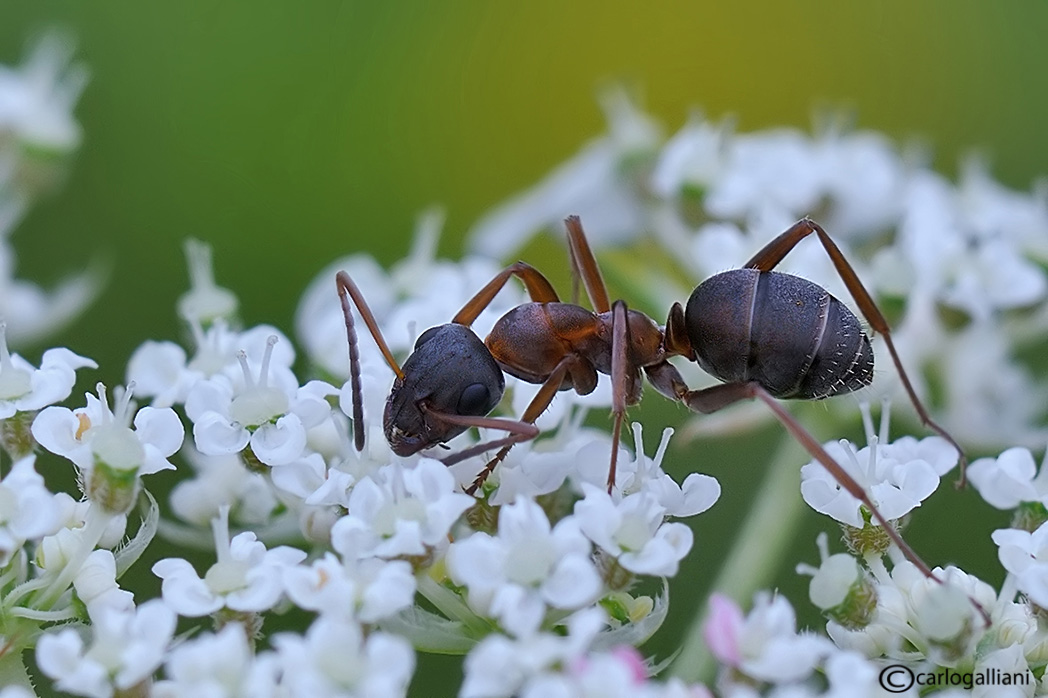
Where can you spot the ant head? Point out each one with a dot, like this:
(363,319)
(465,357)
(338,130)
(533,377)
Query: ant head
(450,372)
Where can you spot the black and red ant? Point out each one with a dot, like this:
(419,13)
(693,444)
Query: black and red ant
(768,335)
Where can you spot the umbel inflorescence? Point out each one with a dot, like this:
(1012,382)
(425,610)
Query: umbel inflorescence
(544,582)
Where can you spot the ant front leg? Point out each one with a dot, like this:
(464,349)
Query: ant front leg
(518,430)
(668,381)
(539,290)
(774,252)
(570,364)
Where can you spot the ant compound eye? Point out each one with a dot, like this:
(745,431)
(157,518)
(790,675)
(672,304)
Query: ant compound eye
(474,400)
(426,336)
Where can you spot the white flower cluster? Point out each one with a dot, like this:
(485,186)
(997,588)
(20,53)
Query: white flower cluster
(545,581)
(966,259)
(545,548)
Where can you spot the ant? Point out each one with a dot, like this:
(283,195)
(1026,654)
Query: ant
(768,335)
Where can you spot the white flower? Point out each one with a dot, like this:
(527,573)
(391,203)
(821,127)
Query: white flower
(111,456)
(28,511)
(836,577)
(37,100)
(126,648)
(97,434)
(528,566)
(897,476)
(365,590)
(633,531)
(209,665)
(204,302)
(26,389)
(865,178)
(162,370)
(246,577)
(620,672)
(222,480)
(32,313)
(96,586)
(592,184)
(1025,555)
(336,659)
(976,271)
(693,157)
(500,666)
(765,644)
(1010,479)
(400,511)
(767,169)
(271,414)
(698,493)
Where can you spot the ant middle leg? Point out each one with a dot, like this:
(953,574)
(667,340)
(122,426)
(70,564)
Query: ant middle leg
(569,365)
(584,265)
(771,254)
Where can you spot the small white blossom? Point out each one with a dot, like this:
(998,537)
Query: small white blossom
(37,99)
(541,466)
(634,531)
(897,476)
(528,566)
(1010,479)
(126,648)
(400,511)
(765,644)
(835,578)
(246,577)
(96,585)
(24,388)
(222,480)
(1025,555)
(96,433)
(218,664)
(335,658)
(271,414)
(28,511)
(364,590)
(205,302)
(693,157)
(773,168)
(500,666)
(163,371)
(698,493)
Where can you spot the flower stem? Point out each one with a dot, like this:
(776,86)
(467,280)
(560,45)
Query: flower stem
(757,554)
(12,668)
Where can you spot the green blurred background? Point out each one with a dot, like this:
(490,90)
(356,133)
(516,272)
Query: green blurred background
(287,134)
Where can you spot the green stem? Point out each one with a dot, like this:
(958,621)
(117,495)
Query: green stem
(449,603)
(757,554)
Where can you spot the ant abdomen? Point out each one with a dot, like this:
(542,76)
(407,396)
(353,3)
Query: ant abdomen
(781,331)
